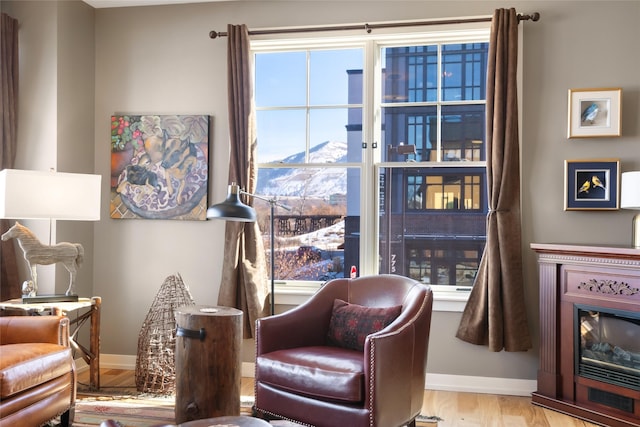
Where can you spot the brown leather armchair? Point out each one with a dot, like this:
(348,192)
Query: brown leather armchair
(37,371)
(301,377)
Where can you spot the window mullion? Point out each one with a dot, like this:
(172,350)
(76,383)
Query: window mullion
(439,153)
(371,129)
(308,109)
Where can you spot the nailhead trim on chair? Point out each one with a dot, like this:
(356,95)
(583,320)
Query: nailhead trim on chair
(372,376)
(280,417)
(373,356)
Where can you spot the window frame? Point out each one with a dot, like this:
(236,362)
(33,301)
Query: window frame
(447,299)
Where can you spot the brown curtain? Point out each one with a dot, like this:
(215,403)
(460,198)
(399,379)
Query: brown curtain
(9,286)
(244,278)
(495,314)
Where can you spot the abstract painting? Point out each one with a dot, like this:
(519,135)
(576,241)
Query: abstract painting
(159,166)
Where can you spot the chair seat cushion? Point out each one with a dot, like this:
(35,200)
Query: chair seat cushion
(26,365)
(321,372)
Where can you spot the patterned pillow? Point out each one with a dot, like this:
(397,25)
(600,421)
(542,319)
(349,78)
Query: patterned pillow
(351,323)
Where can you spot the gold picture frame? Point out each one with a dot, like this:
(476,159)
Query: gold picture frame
(594,113)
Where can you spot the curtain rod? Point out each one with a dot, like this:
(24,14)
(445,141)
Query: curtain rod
(368,27)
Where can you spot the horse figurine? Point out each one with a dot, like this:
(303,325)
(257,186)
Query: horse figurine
(69,254)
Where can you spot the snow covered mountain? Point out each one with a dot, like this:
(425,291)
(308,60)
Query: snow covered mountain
(317,182)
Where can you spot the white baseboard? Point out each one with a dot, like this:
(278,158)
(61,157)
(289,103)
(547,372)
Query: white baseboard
(443,382)
(118,361)
(488,385)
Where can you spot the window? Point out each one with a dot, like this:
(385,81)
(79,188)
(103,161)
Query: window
(377,148)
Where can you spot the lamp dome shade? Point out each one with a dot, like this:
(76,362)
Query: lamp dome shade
(232,209)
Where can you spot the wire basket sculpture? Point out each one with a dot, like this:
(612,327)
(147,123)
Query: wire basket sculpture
(155,362)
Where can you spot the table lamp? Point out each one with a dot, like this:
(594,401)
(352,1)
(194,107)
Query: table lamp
(26,194)
(630,199)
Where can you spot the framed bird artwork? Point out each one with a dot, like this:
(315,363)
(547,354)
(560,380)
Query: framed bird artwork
(594,113)
(592,184)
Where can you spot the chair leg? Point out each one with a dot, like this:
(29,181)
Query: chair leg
(64,420)
(263,415)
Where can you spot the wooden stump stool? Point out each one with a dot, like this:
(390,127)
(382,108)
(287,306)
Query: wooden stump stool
(208,374)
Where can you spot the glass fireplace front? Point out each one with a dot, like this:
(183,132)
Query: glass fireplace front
(608,345)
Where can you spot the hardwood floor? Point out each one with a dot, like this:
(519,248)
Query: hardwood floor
(455,409)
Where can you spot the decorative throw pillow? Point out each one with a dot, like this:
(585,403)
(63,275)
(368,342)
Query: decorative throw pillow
(351,323)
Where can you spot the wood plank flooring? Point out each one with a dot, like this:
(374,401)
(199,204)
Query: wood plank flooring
(454,408)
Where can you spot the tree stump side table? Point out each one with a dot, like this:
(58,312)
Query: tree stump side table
(208,362)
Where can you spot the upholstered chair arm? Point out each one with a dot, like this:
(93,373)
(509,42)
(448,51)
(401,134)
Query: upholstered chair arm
(391,365)
(305,325)
(34,329)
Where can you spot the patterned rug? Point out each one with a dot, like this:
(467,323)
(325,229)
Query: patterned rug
(130,411)
(146,411)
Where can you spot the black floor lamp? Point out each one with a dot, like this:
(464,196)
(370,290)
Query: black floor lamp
(232,209)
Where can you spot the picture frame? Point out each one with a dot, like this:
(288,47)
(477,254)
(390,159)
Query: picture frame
(594,113)
(592,184)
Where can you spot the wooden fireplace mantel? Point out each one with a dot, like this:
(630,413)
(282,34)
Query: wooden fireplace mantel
(601,276)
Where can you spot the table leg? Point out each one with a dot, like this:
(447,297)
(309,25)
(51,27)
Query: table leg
(92,355)
(94,344)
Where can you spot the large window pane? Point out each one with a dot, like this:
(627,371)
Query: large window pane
(320,232)
(281,79)
(281,133)
(410,74)
(404,127)
(329,75)
(464,70)
(329,126)
(432,223)
(311,236)
(463,132)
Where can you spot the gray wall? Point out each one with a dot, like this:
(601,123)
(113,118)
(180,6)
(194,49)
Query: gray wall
(161,60)
(55,118)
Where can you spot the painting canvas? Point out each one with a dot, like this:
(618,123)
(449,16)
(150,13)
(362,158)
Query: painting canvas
(159,166)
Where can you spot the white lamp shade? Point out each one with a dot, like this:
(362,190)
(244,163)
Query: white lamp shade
(630,197)
(49,195)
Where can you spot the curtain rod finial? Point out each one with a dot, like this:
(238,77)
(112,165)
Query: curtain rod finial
(213,34)
(534,17)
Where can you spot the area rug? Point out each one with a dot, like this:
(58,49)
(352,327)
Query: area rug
(133,410)
(147,410)
(129,411)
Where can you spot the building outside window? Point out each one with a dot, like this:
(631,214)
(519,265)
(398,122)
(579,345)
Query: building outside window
(377,147)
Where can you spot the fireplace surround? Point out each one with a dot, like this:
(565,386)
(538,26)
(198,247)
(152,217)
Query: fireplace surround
(590,332)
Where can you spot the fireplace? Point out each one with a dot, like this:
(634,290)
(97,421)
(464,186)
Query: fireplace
(607,349)
(590,333)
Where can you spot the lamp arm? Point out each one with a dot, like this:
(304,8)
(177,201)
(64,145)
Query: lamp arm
(271,201)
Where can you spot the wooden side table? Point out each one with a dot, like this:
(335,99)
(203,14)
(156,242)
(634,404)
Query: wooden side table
(90,355)
(208,374)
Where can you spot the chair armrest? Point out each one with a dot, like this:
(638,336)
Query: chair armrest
(402,345)
(34,329)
